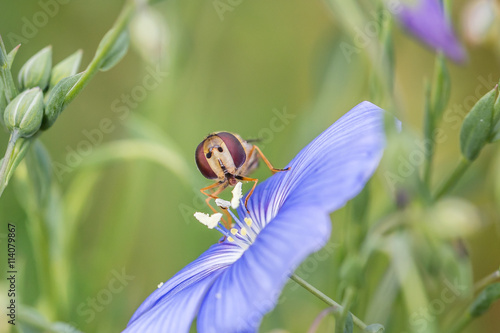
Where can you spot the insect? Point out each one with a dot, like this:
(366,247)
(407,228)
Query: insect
(227,158)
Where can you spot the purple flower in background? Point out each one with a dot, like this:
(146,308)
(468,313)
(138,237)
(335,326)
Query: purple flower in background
(231,286)
(426,20)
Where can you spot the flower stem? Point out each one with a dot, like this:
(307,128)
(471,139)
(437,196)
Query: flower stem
(448,184)
(120,25)
(304,284)
(6,160)
(487,280)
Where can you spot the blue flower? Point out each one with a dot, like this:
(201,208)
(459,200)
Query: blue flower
(426,20)
(233,284)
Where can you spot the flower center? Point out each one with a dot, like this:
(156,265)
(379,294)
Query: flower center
(242,232)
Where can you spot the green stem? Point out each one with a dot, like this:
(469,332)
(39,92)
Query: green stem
(448,184)
(304,284)
(487,280)
(348,298)
(428,131)
(6,160)
(120,25)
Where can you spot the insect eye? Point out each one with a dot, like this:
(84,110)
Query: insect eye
(209,154)
(202,163)
(234,147)
(220,149)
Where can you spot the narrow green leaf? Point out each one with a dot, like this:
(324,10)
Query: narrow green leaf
(12,55)
(117,52)
(3,102)
(374,328)
(9,88)
(3,54)
(39,171)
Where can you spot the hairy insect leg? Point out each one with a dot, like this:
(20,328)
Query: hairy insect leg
(264,158)
(255,180)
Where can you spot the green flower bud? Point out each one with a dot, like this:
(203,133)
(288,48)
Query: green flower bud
(453,218)
(374,328)
(149,35)
(36,71)
(25,112)
(477,126)
(483,302)
(56,101)
(65,68)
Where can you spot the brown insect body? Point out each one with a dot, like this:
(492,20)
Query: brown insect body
(227,158)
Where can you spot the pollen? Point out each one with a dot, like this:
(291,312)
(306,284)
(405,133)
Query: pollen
(234,231)
(160,284)
(231,239)
(237,195)
(210,221)
(222,203)
(243,231)
(248,221)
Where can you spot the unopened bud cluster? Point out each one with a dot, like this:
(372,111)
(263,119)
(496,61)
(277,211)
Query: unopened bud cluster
(42,89)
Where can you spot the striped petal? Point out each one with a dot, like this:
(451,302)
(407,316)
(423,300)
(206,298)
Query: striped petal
(248,289)
(187,288)
(329,171)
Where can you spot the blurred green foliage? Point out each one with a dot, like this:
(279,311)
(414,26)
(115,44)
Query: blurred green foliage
(129,201)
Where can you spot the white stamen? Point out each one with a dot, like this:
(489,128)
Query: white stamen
(237,195)
(243,231)
(234,231)
(222,203)
(160,284)
(210,221)
(248,221)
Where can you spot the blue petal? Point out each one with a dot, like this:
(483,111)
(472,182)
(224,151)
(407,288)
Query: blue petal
(248,289)
(331,170)
(427,21)
(176,313)
(186,288)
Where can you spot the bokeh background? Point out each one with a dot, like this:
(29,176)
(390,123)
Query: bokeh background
(133,212)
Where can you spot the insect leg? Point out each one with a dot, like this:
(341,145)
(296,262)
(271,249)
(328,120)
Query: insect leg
(218,188)
(269,165)
(255,180)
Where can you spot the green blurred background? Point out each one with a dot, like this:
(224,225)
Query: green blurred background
(233,74)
